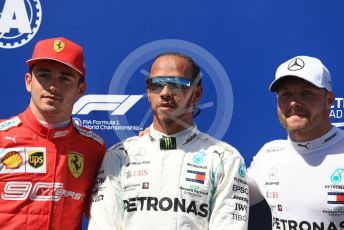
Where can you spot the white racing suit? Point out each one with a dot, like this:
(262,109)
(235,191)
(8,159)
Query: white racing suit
(303,182)
(188,181)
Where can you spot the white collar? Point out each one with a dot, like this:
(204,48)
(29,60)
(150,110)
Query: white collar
(328,139)
(183,137)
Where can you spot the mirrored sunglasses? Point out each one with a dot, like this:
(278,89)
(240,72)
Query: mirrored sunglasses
(175,84)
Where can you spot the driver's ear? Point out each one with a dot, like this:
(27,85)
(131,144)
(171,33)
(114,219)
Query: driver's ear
(28,80)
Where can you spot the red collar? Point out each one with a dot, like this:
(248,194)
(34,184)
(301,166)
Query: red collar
(31,121)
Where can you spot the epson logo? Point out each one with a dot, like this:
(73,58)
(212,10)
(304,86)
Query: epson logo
(116,104)
(19,22)
(236,188)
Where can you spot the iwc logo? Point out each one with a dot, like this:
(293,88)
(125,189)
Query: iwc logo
(296,64)
(19,22)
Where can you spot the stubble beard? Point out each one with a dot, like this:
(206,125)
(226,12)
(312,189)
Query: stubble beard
(178,117)
(303,127)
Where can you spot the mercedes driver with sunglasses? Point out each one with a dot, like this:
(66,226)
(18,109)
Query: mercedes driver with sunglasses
(174,176)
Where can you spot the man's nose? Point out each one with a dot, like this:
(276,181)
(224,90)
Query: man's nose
(294,102)
(54,88)
(166,90)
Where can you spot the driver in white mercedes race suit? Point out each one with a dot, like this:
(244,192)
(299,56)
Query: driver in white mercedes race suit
(173,177)
(302,177)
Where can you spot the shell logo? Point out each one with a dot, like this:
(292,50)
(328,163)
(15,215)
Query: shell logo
(12,160)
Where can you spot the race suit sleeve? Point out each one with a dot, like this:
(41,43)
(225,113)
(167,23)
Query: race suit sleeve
(229,203)
(252,174)
(107,205)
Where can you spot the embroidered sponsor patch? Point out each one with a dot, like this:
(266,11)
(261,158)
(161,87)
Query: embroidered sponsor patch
(36,161)
(12,160)
(195,176)
(76,163)
(9,123)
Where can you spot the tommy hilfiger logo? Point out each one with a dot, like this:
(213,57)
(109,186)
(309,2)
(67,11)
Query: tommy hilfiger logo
(195,176)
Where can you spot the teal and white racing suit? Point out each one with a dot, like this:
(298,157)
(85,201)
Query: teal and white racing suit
(185,181)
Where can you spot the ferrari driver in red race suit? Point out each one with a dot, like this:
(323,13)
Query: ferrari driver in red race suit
(48,163)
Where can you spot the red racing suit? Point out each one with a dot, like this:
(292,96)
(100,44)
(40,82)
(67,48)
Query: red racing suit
(46,175)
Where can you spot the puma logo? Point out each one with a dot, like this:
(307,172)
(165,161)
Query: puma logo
(305,145)
(11,138)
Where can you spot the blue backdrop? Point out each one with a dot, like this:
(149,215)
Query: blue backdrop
(239,45)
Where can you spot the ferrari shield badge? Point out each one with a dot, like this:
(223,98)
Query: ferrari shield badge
(59,45)
(76,163)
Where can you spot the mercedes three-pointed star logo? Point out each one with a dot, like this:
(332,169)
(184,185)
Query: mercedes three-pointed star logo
(296,64)
(272,174)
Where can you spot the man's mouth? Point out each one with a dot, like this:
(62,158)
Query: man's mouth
(167,105)
(297,113)
(52,97)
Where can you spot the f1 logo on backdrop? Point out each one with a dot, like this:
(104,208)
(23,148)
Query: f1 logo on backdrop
(19,22)
(115,104)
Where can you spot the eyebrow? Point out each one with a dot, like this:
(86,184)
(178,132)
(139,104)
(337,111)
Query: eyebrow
(65,73)
(43,70)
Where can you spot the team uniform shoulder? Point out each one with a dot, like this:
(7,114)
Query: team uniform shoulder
(217,146)
(89,133)
(273,146)
(269,150)
(339,132)
(116,148)
(119,152)
(124,144)
(10,123)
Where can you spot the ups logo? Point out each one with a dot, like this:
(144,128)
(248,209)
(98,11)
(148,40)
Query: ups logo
(36,158)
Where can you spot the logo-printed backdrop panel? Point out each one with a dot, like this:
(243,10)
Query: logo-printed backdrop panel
(237,44)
